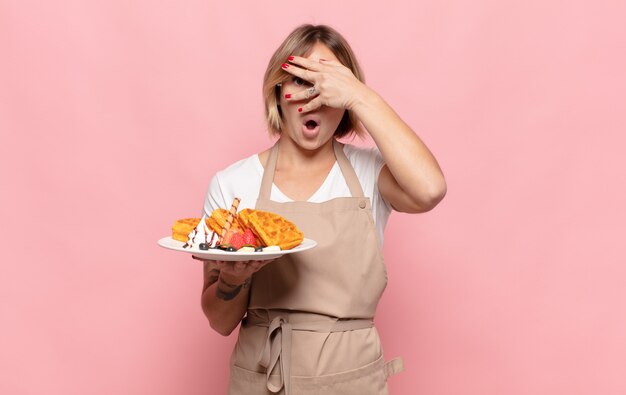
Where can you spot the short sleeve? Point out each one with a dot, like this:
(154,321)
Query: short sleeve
(379,162)
(214,198)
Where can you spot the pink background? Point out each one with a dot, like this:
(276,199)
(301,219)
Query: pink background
(115,114)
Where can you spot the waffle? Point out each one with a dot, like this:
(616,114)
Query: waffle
(271,229)
(182,228)
(218,219)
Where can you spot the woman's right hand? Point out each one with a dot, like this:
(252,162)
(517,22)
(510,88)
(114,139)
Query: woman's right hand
(236,272)
(226,290)
(240,272)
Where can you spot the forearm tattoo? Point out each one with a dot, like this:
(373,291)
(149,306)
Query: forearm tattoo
(228,291)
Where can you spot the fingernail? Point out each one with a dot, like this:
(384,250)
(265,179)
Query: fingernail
(285,65)
(300,109)
(290,58)
(288,96)
(323,59)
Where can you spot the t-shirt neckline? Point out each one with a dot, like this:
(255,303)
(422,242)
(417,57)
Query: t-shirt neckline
(283,197)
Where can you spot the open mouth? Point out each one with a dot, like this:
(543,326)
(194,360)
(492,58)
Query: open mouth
(311,126)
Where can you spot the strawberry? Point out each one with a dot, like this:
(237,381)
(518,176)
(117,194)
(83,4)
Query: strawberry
(230,233)
(236,240)
(227,236)
(248,238)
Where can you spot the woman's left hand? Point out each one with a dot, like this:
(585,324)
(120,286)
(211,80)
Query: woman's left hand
(332,84)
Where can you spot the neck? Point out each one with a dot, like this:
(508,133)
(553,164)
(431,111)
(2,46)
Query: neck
(293,155)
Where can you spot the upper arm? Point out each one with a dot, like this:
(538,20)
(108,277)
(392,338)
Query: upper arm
(399,200)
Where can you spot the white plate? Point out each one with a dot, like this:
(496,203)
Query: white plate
(220,255)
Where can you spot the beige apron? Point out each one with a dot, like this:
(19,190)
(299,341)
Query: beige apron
(309,327)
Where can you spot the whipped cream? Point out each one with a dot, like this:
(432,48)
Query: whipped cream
(201,234)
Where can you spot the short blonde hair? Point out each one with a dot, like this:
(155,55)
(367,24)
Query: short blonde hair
(299,43)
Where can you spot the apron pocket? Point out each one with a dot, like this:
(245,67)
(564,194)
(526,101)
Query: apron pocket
(366,380)
(247,382)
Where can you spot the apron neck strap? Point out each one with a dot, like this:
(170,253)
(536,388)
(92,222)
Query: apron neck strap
(268,173)
(348,171)
(344,164)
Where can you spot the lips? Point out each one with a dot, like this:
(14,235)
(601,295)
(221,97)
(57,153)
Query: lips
(311,125)
(311,121)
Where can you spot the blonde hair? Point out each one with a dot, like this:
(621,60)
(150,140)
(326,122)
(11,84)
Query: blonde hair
(299,42)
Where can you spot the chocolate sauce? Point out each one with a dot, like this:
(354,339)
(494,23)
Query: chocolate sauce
(187,245)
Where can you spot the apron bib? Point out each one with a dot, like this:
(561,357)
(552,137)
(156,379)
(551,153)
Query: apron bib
(309,325)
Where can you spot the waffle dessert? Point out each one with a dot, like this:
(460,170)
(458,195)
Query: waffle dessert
(249,228)
(183,227)
(271,229)
(219,218)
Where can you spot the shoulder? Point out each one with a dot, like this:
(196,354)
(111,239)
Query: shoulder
(240,179)
(353,150)
(242,167)
(364,160)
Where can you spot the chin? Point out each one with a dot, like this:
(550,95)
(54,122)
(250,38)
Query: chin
(313,144)
(309,143)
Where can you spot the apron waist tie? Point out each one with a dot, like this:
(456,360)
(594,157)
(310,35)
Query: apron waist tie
(277,350)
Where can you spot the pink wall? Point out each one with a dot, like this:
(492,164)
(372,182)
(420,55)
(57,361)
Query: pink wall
(513,285)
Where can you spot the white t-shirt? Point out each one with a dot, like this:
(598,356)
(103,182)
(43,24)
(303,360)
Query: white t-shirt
(243,180)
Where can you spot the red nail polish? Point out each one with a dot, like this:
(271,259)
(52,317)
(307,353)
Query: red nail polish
(300,109)
(285,65)
(290,58)
(288,96)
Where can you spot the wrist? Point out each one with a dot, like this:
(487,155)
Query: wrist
(364,99)
(229,291)
(230,280)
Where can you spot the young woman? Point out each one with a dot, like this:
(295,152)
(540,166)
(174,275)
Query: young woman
(307,318)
